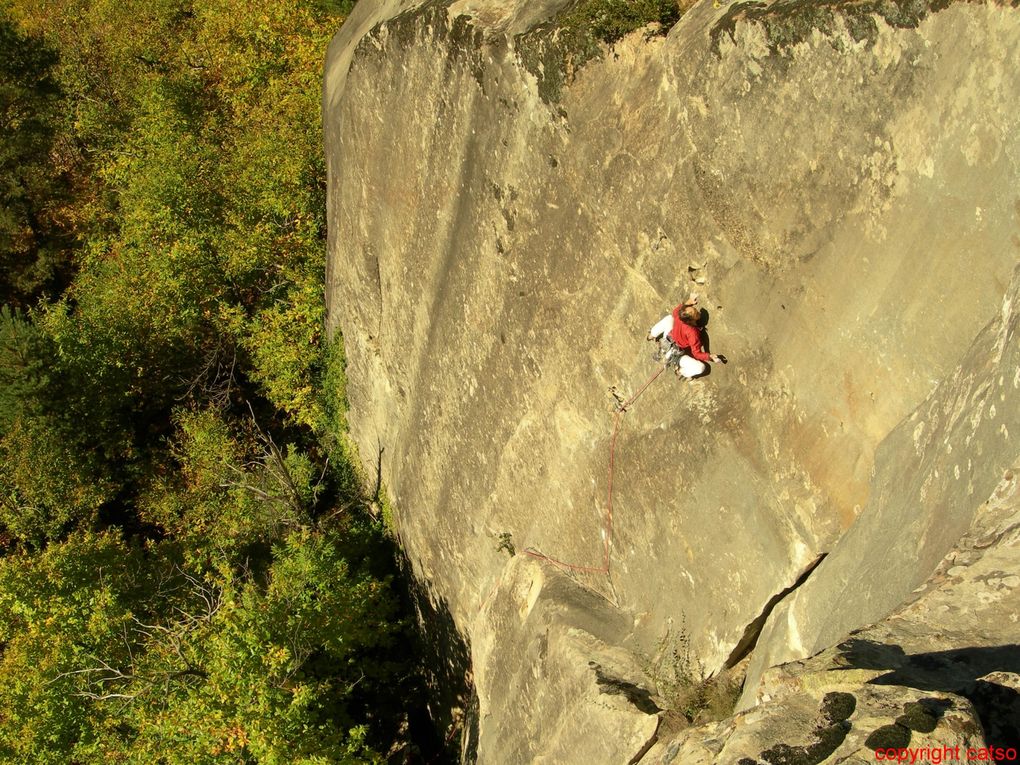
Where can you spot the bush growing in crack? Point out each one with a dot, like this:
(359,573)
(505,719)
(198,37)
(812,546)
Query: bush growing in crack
(682,686)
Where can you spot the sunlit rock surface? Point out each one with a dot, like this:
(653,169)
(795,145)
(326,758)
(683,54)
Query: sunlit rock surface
(841,188)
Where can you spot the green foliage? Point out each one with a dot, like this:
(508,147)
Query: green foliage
(333,387)
(343,454)
(59,612)
(610,20)
(683,687)
(230,488)
(194,137)
(283,342)
(556,50)
(207,241)
(26,358)
(506,542)
(788,23)
(31,240)
(195,143)
(337,7)
(115,655)
(269,667)
(387,511)
(47,484)
(184,577)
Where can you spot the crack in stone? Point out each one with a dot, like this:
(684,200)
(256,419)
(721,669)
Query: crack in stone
(749,639)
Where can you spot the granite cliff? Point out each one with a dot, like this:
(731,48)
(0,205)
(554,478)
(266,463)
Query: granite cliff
(513,202)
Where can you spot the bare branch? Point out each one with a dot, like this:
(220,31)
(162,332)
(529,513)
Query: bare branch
(216,377)
(106,696)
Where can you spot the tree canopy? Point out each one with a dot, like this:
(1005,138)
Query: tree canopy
(186,571)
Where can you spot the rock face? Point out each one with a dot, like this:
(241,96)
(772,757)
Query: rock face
(508,216)
(942,671)
(926,478)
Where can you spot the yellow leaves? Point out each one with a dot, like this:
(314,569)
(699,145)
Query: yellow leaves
(276,658)
(231,739)
(231,318)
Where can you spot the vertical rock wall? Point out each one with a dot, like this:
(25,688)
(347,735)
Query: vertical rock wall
(841,190)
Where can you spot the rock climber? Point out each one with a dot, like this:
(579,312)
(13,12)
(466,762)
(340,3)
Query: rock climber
(679,337)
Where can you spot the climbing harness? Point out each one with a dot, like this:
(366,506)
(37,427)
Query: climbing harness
(607,532)
(668,353)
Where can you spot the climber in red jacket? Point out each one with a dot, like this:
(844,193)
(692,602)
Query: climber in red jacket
(679,335)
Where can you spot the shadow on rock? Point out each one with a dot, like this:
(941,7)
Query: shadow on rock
(979,674)
(449,711)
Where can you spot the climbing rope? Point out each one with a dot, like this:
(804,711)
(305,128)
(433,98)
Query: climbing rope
(621,409)
(607,535)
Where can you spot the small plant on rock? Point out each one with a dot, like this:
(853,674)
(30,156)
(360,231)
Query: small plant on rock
(683,687)
(610,20)
(506,543)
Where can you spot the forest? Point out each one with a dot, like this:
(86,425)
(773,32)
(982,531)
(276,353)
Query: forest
(189,571)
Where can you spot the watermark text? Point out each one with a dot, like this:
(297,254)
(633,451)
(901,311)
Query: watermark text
(939,754)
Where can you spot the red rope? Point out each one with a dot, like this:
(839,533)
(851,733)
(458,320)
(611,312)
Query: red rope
(604,568)
(608,529)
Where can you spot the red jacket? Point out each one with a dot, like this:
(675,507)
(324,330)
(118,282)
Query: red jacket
(687,337)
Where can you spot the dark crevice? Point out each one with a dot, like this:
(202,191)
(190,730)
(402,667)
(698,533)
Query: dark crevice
(652,741)
(440,703)
(748,640)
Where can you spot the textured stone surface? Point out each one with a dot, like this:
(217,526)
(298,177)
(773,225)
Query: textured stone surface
(564,643)
(797,730)
(846,206)
(951,450)
(941,671)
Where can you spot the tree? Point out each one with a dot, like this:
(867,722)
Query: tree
(49,481)
(113,653)
(32,244)
(59,610)
(183,573)
(26,362)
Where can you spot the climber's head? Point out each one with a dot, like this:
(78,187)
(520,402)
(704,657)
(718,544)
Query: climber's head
(690,314)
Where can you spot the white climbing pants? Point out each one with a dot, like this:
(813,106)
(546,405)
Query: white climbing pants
(690,367)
